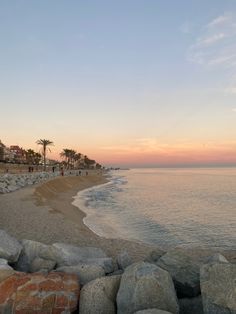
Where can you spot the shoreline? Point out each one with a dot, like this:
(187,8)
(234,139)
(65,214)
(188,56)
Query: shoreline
(47,215)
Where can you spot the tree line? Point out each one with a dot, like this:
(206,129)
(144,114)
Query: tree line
(72,159)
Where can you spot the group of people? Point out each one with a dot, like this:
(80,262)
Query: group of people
(79,173)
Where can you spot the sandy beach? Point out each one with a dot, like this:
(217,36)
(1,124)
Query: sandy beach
(45,213)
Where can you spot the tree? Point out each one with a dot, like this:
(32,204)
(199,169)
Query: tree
(69,155)
(45,143)
(89,162)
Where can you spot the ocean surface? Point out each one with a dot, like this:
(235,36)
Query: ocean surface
(165,207)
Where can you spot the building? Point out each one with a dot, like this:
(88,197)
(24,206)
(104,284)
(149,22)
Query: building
(19,155)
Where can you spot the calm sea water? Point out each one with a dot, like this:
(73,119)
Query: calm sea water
(165,207)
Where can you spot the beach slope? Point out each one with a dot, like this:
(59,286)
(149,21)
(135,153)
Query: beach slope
(45,213)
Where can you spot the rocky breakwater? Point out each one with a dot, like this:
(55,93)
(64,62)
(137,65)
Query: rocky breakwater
(61,278)
(13,182)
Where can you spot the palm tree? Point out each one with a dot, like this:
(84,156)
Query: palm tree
(44,144)
(69,155)
(66,154)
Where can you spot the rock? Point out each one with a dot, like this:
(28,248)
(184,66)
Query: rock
(4,265)
(217,258)
(99,296)
(41,264)
(69,255)
(10,248)
(153,311)
(191,305)
(123,260)
(218,288)
(144,286)
(38,293)
(32,250)
(154,256)
(85,273)
(184,265)
(105,263)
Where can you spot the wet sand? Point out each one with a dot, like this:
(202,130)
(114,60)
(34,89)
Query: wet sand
(45,213)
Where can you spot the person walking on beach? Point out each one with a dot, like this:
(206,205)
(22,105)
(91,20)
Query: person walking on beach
(62,171)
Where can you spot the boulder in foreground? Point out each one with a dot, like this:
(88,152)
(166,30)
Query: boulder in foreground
(38,293)
(218,287)
(36,256)
(99,296)
(145,286)
(183,263)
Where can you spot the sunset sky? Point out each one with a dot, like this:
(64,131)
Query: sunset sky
(128,82)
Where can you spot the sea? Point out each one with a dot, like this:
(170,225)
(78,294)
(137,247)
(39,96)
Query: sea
(164,206)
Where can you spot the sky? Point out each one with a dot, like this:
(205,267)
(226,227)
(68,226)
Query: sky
(131,83)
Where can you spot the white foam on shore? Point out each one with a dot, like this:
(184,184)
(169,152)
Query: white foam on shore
(97,222)
(165,207)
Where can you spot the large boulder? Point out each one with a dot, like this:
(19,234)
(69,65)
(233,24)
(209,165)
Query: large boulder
(99,296)
(218,288)
(183,263)
(85,273)
(10,248)
(69,255)
(31,252)
(38,293)
(144,286)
